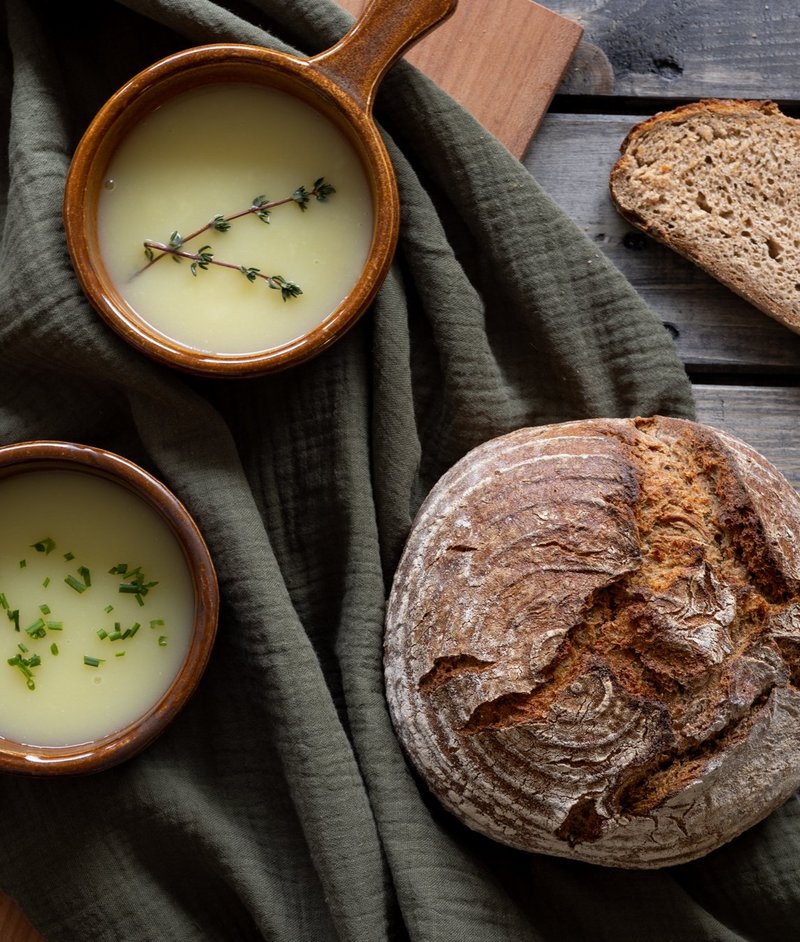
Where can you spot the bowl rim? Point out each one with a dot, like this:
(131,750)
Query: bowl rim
(121,744)
(218,62)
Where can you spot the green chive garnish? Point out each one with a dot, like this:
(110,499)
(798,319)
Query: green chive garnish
(92,661)
(23,563)
(73,583)
(46,582)
(14,616)
(84,573)
(44,609)
(108,609)
(162,641)
(157,623)
(69,556)
(54,648)
(22,648)
(36,630)
(135,582)
(3,600)
(120,654)
(55,626)
(24,665)
(44,546)
(102,633)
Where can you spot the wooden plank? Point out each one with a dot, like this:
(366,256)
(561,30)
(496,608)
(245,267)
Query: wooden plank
(14,927)
(767,418)
(714,328)
(685,49)
(501,59)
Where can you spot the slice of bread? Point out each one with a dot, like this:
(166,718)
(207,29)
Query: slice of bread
(719,182)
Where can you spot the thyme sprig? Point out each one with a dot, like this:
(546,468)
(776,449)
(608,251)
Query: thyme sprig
(261,207)
(205,257)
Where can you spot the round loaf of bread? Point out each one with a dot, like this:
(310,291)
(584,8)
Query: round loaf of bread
(592,642)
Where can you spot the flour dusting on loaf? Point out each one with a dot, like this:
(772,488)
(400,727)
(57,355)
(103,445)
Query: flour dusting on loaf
(593,640)
(719,182)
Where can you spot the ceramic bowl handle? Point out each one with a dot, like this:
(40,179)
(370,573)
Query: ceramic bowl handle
(383,32)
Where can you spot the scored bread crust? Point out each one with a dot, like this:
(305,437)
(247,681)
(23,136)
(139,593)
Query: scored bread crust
(592,643)
(717,181)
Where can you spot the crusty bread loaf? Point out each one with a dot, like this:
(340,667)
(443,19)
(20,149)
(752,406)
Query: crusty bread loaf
(719,182)
(592,642)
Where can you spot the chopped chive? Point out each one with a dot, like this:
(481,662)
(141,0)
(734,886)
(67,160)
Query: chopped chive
(115,636)
(44,546)
(14,616)
(46,582)
(86,575)
(44,609)
(24,665)
(23,563)
(135,584)
(120,654)
(22,648)
(102,633)
(92,661)
(69,556)
(132,630)
(157,623)
(162,641)
(54,648)
(119,570)
(3,600)
(73,583)
(55,626)
(108,609)
(36,629)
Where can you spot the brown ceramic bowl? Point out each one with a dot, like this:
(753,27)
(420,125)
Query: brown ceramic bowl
(109,749)
(340,83)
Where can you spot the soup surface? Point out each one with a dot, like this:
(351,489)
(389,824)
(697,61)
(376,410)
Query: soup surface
(74,667)
(212,152)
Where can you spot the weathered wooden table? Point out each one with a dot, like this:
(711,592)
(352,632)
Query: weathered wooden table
(638,57)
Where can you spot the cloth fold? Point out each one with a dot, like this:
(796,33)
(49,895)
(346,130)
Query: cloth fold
(279,805)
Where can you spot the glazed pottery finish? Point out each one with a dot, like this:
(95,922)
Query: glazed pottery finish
(32,457)
(340,83)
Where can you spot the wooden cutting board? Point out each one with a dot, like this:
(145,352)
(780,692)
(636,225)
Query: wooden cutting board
(501,59)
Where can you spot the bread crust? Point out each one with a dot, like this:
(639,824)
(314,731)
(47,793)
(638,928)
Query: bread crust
(703,244)
(592,642)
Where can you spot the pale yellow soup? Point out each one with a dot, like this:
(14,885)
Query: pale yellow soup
(101,525)
(211,152)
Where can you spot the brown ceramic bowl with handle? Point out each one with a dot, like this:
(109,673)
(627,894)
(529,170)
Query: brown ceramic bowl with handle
(339,83)
(38,468)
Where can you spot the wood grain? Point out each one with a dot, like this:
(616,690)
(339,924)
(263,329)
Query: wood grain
(501,59)
(766,417)
(687,48)
(715,329)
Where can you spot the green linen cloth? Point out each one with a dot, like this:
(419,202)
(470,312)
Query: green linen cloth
(279,805)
